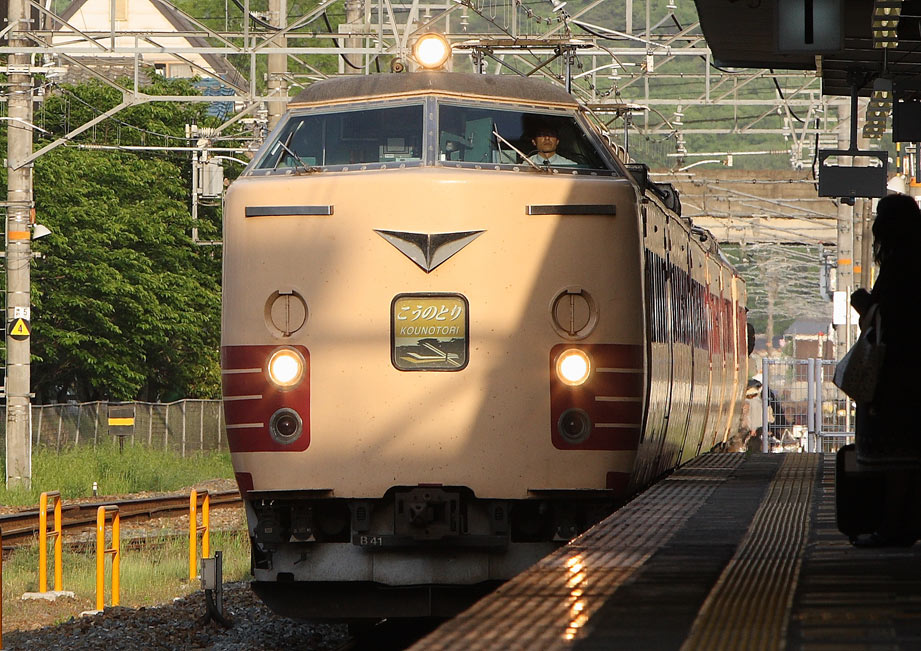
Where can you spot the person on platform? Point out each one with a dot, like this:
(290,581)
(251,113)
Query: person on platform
(888,433)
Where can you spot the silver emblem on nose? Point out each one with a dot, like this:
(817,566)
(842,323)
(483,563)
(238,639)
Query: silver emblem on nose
(428,250)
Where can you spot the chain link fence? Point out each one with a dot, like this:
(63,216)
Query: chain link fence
(803,408)
(184,426)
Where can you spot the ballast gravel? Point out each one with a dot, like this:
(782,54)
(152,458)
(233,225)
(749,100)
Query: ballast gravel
(182,625)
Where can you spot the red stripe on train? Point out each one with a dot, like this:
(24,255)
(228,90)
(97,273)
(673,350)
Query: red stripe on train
(245,483)
(612,397)
(618,482)
(250,399)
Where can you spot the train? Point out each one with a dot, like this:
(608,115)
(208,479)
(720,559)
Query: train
(442,360)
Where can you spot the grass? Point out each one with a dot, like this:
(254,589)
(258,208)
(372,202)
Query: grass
(154,574)
(134,470)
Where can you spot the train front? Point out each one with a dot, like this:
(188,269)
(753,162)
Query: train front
(432,348)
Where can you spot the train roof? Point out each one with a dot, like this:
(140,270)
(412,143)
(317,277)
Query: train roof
(711,246)
(505,87)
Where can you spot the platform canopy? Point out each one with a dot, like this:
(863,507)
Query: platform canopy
(846,41)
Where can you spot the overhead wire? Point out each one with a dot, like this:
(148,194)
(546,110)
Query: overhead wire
(79,99)
(128,125)
(329,28)
(277,28)
(784,99)
(256,19)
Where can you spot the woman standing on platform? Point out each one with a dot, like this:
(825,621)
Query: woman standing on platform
(888,433)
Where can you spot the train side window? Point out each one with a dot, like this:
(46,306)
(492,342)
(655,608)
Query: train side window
(479,134)
(350,137)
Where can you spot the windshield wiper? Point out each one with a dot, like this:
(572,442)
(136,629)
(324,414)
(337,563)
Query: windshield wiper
(495,132)
(308,169)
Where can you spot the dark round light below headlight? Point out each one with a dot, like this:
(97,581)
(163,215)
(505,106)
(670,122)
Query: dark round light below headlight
(286,426)
(574,425)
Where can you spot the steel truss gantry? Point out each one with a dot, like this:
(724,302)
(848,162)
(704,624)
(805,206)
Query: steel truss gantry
(639,75)
(657,78)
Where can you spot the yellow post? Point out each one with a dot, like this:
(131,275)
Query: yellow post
(194,529)
(193,539)
(1,591)
(57,533)
(116,558)
(101,552)
(100,557)
(206,526)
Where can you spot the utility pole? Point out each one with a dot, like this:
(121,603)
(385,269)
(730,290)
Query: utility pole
(18,254)
(771,287)
(844,274)
(278,63)
(866,244)
(354,12)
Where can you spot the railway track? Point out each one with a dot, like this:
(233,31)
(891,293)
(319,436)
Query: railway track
(19,528)
(387,634)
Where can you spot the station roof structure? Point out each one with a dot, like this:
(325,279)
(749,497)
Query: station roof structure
(842,45)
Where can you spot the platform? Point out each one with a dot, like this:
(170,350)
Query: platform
(730,552)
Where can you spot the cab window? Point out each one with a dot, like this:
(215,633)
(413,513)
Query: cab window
(376,135)
(476,134)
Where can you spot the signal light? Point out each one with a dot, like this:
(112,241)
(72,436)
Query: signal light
(431,51)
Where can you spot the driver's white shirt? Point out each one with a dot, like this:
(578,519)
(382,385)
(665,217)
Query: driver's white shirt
(553,161)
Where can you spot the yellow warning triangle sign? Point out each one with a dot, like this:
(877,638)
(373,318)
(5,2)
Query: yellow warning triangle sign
(20,328)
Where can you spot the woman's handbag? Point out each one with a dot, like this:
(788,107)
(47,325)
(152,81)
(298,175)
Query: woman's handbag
(857,374)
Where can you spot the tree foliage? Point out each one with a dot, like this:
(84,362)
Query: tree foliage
(125,305)
(226,16)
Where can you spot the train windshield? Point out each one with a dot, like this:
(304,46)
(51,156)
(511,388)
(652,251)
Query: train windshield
(478,134)
(364,136)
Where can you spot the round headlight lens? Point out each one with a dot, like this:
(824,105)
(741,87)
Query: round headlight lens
(574,425)
(573,367)
(286,426)
(431,51)
(286,367)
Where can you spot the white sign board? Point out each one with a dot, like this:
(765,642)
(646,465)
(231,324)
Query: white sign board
(842,306)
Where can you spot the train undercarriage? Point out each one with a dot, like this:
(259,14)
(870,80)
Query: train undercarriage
(419,551)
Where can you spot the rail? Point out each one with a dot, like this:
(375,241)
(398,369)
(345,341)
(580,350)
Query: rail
(23,526)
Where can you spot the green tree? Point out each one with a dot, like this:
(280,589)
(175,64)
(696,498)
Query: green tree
(221,16)
(125,305)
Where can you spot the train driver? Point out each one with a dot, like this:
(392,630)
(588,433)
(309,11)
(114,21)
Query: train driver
(546,139)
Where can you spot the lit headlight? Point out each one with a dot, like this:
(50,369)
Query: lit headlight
(431,51)
(573,367)
(286,367)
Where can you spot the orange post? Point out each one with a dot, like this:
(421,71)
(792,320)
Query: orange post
(1,590)
(102,550)
(194,530)
(43,534)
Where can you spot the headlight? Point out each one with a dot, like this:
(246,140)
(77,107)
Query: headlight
(286,426)
(574,425)
(286,367)
(431,51)
(573,367)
